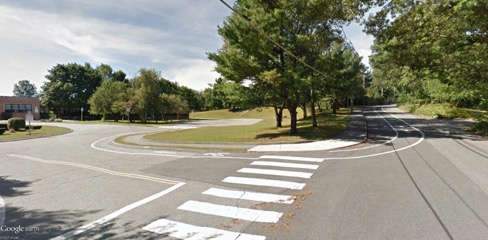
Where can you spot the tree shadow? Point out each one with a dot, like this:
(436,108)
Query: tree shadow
(20,223)
(128,230)
(12,187)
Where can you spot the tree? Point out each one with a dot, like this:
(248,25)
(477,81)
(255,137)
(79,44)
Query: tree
(78,81)
(146,100)
(25,89)
(108,98)
(276,43)
(432,51)
(171,103)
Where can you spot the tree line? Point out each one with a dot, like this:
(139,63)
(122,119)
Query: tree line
(107,93)
(431,51)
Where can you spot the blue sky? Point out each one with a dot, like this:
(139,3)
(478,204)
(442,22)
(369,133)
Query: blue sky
(172,36)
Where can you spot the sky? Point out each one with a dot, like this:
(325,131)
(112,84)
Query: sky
(172,36)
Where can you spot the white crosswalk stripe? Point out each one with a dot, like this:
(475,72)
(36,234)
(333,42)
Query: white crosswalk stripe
(292,158)
(285,165)
(264,182)
(275,172)
(192,232)
(248,214)
(252,196)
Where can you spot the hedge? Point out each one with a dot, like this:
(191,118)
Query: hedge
(16,124)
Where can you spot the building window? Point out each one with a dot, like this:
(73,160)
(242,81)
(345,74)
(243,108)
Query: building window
(18,108)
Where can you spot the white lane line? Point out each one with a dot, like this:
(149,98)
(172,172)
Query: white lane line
(359,149)
(191,232)
(2,211)
(264,182)
(391,151)
(286,165)
(253,196)
(276,172)
(247,214)
(103,170)
(117,213)
(162,154)
(292,158)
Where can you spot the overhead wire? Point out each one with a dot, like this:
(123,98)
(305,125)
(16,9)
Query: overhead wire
(272,40)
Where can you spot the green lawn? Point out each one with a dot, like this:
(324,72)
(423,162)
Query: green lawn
(45,131)
(262,132)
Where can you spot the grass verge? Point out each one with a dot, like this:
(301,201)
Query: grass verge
(45,131)
(262,132)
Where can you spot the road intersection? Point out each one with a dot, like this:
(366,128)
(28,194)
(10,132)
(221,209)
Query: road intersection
(409,181)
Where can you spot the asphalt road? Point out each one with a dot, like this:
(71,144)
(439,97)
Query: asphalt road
(414,179)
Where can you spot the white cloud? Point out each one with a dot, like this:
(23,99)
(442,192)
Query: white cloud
(361,41)
(162,35)
(195,74)
(168,35)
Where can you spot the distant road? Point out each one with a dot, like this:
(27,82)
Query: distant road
(414,179)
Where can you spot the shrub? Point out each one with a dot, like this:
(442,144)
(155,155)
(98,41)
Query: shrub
(16,124)
(480,127)
(37,127)
(6,115)
(2,130)
(3,125)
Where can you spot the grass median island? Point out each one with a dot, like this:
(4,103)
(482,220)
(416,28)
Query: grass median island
(262,132)
(45,131)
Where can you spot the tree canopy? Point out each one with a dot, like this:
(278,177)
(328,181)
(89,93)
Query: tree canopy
(277,46)
(432,51)
(24,88)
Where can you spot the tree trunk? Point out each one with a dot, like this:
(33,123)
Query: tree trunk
(312,102)
(334,106)
(293,119)
(292,108)
(278,116)
(304,108)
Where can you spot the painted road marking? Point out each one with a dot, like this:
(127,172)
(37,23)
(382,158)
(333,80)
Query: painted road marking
(2,211)
(286,165)
(103,170)
(117,213)
(422,138)
(276,172)
(175,155)
(291,158)
(192,232)
(264,182)
(248,214)
(259,197)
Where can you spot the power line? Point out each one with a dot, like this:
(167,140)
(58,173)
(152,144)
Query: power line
(271,40)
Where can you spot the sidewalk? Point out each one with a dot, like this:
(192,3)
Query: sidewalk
(354,134)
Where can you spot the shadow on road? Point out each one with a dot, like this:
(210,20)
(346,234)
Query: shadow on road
(36,224)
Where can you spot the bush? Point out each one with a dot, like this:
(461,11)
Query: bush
(480,127)
(16,124)
(6,115)
(437,111)
(2,130)
(37,127)
(3,125)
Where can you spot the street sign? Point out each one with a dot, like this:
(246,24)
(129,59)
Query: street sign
(29,117)
(127,107)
